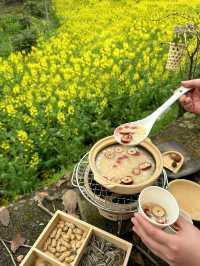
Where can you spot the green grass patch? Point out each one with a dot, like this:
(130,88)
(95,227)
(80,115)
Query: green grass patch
(22,23)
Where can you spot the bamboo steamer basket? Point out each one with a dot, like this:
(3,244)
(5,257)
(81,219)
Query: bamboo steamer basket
(121,188)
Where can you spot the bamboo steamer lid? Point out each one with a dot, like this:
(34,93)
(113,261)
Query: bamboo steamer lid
(121,188)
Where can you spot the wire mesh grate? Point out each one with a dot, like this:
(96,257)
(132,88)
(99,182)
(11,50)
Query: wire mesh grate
(101,197)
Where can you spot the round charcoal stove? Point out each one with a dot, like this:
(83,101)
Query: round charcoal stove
(113,206)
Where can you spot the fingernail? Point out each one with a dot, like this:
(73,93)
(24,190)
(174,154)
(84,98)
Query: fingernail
(132,219)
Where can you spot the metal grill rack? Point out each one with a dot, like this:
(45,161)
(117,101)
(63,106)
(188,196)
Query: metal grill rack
(101,197)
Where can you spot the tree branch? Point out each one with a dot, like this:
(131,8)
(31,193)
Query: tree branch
(9,242)
(11,256)
(41,206)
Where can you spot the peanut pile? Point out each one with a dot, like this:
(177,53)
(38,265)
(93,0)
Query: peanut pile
(64,242)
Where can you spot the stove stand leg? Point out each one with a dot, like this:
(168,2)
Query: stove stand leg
(119,226)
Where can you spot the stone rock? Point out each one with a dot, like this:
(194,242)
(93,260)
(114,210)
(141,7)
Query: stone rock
(188,115)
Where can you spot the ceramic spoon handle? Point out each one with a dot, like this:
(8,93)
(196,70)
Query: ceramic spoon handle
(177,94)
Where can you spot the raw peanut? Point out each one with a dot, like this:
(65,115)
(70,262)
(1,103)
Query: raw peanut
(72,236)
(61,224)
(67,224)
(78,231)
(70,259)
(73,244)
(68,253)
(65,229)
(45,246)
(64,256)
(53,243)
(66,237)
(57,254)
(66,244)
(69,231)
(52,235)
(78,237)
(72,226)
(59,242)
(62,249)
(48,242)
(58,247)
(59,232)
(52,250)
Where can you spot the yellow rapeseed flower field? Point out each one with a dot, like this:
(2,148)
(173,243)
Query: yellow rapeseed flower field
(104,65)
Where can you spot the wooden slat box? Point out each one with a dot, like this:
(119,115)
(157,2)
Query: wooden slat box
(37,251)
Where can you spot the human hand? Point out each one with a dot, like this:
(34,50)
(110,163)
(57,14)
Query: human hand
(180,249)
(191,100)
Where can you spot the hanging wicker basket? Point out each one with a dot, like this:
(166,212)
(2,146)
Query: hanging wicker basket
(176,52)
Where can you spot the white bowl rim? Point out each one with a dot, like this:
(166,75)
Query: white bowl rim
(175,202)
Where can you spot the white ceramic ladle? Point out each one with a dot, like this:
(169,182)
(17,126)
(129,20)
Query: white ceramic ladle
(148,122)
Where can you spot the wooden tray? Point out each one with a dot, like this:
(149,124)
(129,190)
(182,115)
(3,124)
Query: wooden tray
(167,161)
(120,188)
(36,251)
(191,164)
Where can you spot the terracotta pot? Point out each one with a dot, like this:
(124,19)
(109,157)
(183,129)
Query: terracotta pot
(118,187)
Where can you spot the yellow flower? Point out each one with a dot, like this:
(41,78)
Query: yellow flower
(136,76)
(61,117)
(48,109)
(103,103)
(27,119)
(5,146)
(125,45)
(70,110)
(33,111)
(10,109)
(16,89)
(61,104)
(116,52)
(22,136)
(116,69)
(34,160)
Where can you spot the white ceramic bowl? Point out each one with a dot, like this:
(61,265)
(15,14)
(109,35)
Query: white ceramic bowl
(164,198)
